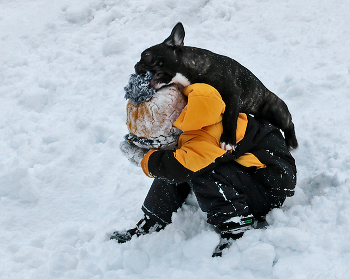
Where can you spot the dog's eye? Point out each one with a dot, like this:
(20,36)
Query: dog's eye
(147,58)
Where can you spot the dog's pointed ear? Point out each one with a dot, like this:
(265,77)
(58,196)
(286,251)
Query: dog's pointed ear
(176,37)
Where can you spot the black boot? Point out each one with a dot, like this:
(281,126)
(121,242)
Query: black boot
(230,231)
(144,226)
(260,223)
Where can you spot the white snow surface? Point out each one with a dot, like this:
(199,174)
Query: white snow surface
(65,186)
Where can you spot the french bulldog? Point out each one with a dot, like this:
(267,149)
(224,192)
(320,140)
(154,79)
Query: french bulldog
(172,62)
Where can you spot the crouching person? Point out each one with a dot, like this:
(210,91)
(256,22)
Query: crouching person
(234,188)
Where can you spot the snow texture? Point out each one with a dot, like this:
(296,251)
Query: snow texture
(65,185)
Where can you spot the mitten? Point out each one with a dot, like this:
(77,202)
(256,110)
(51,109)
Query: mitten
(133,153)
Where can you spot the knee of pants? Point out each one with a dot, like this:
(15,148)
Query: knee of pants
(232,186)
(163,199)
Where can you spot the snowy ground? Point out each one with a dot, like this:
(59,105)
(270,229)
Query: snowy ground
(64,185)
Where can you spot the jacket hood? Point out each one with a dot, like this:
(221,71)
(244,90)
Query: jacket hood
(205,107)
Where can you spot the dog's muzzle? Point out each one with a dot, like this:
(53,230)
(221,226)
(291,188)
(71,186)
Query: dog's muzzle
(139,68)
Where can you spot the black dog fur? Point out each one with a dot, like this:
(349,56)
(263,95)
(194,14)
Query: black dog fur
(171,61)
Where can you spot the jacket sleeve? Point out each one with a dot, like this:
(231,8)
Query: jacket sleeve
(162,164)
(261,139)
(267,144)
(279,176)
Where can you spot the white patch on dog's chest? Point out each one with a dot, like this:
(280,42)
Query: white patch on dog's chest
(180,79)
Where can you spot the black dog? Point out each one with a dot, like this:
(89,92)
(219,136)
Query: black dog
(240,89)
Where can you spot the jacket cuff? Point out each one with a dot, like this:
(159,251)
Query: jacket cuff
(144,163)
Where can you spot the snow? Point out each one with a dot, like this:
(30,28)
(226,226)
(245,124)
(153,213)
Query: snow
(65,186)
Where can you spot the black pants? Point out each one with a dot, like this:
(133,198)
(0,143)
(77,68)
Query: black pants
(224,192)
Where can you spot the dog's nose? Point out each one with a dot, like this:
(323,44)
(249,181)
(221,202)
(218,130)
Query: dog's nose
(139,69)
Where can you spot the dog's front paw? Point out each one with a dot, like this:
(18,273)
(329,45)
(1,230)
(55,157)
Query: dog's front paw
(227,147)
(228,142)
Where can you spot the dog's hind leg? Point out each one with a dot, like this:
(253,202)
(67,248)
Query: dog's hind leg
(291,139)
(276,111)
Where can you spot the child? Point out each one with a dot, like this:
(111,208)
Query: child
(234,188)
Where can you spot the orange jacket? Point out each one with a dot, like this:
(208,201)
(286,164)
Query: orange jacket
(201,123)
(260,150)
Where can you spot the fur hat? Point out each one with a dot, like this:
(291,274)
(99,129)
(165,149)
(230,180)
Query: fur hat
(151,114)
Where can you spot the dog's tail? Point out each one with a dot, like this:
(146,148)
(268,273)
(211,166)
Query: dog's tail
(276,111)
